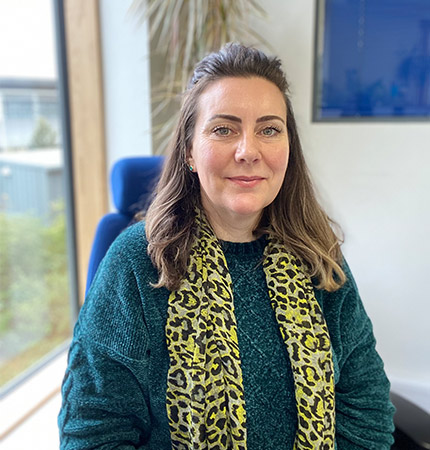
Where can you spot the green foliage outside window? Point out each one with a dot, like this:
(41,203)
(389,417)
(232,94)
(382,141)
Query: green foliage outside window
(34,298)
(44,135)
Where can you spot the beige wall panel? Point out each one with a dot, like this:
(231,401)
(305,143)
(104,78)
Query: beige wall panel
(87,124)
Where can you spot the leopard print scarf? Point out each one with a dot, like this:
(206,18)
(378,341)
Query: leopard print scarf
(205,399)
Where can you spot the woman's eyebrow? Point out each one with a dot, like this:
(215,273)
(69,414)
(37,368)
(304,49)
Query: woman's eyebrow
(239,120)
(226,117)
(267,118)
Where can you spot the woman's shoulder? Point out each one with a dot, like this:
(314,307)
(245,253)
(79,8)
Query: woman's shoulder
(341,294)
(343,309)
(131,241)
(113,308)
(134,234)
(128,251)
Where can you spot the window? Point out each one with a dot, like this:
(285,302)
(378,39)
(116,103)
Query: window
(17,107)
(36,308)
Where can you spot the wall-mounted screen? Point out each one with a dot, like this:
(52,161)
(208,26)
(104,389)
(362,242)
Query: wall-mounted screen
(372,60)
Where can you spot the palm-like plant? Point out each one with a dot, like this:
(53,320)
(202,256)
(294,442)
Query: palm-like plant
(181,33)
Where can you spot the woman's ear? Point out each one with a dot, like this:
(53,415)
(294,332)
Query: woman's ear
(190,160)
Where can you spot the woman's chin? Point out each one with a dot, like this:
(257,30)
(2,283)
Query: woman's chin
(246,210)
(242,208)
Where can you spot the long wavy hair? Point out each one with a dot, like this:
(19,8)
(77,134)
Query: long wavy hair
(294,217)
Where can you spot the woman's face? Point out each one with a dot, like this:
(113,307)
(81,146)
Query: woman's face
(240,148)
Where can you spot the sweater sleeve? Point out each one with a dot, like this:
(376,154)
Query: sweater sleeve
(364,414)
(104,390)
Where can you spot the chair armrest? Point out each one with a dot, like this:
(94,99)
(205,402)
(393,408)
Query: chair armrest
(412,420)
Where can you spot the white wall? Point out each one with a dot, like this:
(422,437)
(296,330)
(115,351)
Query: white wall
(374,179)
(125,57)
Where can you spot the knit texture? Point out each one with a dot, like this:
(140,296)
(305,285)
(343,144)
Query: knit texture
(114,390)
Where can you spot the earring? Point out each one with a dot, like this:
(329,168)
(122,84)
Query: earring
(191,167)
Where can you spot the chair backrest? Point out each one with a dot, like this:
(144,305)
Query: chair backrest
(132,184)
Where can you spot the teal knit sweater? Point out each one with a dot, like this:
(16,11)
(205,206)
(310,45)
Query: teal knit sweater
(114,389)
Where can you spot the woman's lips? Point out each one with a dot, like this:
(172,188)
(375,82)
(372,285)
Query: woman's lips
(247,182)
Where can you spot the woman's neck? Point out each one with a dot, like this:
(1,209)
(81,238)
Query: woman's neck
(233,229)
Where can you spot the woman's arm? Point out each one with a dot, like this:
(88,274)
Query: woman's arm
(105,387)
(364,413)
(103,403)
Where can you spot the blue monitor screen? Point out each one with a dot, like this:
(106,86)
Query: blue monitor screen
(373,59)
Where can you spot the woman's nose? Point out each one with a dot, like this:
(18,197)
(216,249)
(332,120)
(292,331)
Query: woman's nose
(248,149)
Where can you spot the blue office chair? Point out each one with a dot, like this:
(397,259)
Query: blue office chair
(132,182)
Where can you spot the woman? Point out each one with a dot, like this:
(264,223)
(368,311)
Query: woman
(229,319)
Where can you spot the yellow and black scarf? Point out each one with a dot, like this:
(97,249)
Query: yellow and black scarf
(205,398)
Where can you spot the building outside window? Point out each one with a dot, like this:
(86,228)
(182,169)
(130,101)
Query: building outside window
(29,113)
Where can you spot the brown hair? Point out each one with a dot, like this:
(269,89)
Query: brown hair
(294,217)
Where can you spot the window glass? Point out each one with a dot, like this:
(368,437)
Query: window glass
(35,308)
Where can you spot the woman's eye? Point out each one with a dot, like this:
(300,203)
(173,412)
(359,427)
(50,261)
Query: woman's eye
(222,131)
(270,131)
